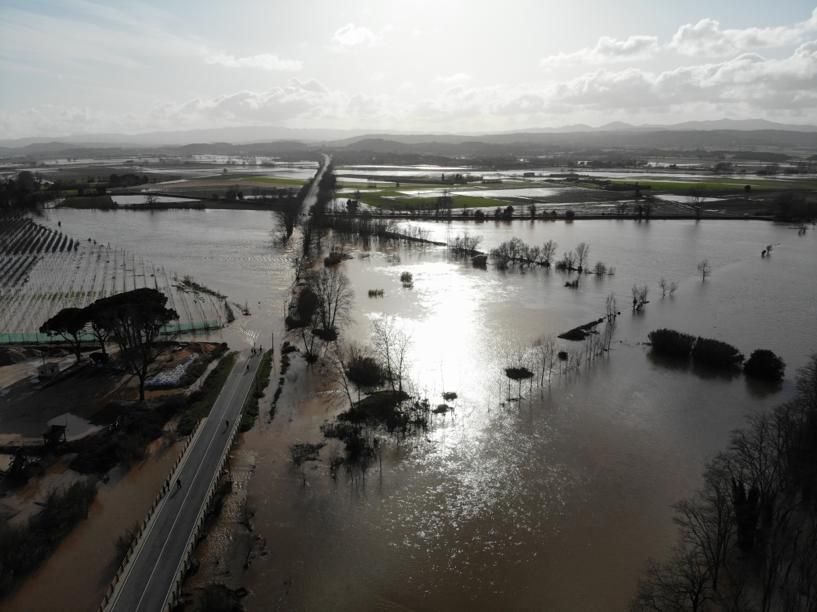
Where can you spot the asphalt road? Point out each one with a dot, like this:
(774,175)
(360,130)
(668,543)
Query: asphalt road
(148,580)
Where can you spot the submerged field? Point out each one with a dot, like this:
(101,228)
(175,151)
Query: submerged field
(554,501)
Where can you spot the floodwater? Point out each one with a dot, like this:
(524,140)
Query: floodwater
(552,502)
(237,253)
(75,577)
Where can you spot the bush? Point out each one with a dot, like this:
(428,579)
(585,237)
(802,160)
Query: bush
(365,371)
(671,343)
(765,365)
(716,353)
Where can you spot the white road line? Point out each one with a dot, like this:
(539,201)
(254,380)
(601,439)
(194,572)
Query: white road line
(178,514)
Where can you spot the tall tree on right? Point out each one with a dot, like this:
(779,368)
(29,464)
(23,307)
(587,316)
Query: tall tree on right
(135,319)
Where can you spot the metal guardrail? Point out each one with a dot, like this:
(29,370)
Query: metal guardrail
(137,540)
(173,596)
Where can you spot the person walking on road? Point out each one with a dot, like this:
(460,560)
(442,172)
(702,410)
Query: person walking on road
(178,484)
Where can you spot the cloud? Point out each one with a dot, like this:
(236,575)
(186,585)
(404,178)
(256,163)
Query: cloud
(264,61)
(748,85)
(453,79)
(352,36)
(764,84)
(706,38)
(607,49)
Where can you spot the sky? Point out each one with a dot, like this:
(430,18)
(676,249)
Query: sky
(82,67)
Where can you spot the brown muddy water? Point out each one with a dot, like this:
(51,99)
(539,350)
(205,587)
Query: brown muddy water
(554,502)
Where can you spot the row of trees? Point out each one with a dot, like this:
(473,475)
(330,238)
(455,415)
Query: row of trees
(762,363)
(133,320)
(748,537)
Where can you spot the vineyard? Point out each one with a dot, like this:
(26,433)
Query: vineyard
(43,270)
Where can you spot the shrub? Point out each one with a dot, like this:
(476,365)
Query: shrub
(671,343)
(765,365)
(716,353)
(365,371)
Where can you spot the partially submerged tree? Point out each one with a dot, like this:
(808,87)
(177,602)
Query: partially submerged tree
(288,214)
(68,323)
(545,351)
(518,373)
(639,296)
(391,344)
(610,307)
(765,365)
(306,309)
(136,319)
(363,370)
(548,252)
(582,255)
(704,268)
(331,286)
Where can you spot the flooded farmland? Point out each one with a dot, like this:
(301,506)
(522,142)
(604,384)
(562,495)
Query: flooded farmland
(552,502)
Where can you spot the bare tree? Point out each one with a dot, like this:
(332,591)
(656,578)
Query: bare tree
(339,358)
(680,584)
(664,285)
(545,352)
(548,252)
(331,286)
(391,344)
(707,520)
(582,255)
(610,307)
(639,296)
(705,269)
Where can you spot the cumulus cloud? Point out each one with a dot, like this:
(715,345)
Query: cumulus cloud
(748,85)
(264,61)
(707,38)
(607,49)
(353,36)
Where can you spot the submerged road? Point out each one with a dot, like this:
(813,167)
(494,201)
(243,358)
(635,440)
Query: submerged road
(148,581)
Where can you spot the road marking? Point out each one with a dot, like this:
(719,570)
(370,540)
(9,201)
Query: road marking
(236,424)
(184,500)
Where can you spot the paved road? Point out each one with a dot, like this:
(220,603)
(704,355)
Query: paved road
(312,195)
(146,585)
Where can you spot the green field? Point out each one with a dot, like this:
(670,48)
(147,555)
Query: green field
(720,185)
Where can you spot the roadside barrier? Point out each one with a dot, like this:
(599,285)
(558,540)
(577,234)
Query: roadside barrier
(174,595)
(137,539)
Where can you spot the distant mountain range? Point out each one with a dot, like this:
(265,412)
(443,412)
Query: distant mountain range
(257,134)
(724,134)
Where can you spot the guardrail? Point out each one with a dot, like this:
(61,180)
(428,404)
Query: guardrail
(143,525)
(172,599)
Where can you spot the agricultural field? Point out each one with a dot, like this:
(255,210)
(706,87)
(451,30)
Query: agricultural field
(43,271)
